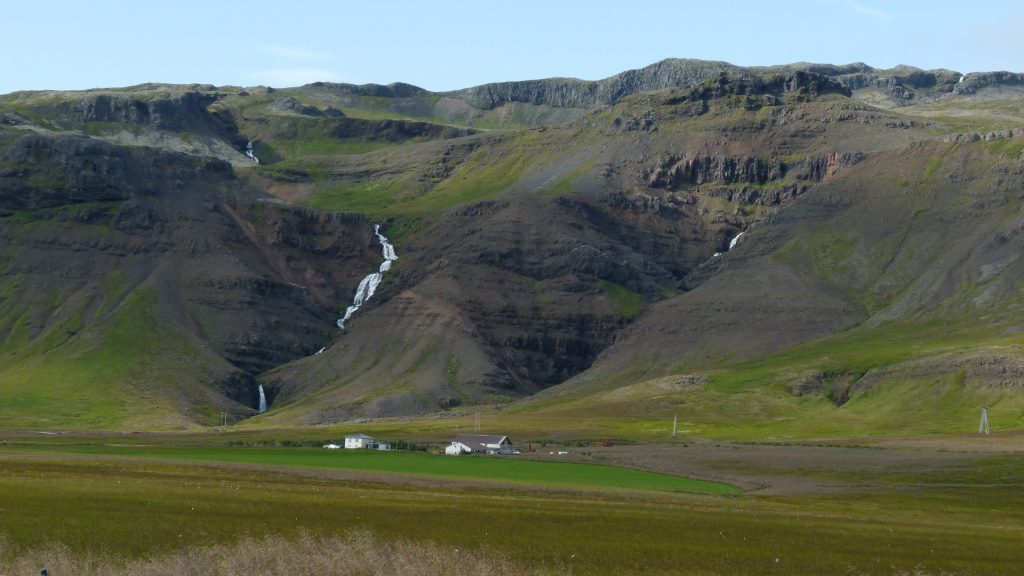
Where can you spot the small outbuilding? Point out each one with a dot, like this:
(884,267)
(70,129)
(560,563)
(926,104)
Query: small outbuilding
(479,444)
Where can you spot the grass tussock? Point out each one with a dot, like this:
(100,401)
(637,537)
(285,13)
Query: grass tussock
(355,554)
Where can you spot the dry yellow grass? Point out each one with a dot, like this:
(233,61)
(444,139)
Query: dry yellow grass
(356,554)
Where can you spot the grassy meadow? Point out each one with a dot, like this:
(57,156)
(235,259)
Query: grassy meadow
(83,503)
(513,470)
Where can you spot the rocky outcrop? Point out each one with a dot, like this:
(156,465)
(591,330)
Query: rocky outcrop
(760,196)
(977,80)
(982,371)
(704,169)
(701,169)
(39,171)
(900,80)
(818,167)
(393,90)
(164,111)
(394,130)
(987,137)
(707,79)
(289,104)
(321,216)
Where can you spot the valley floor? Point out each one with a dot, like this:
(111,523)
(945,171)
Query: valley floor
(916,505)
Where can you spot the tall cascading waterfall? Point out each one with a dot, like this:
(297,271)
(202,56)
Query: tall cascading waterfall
(250,153)
(263,401)
(369,284)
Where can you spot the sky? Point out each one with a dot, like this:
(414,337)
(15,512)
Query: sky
(65,45)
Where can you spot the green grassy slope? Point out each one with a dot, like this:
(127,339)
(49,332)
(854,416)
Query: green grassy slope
(126,370)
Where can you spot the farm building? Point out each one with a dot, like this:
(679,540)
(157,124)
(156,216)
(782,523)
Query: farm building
(364,441)
(479,444)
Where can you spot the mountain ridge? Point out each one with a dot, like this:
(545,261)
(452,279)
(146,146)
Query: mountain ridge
(547,252)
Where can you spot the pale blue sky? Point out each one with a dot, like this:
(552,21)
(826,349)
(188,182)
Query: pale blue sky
(47,44)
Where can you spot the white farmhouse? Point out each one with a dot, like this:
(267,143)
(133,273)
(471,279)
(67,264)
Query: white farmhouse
(362,441)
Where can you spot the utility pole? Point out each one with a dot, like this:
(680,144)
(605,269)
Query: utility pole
(675,424)
(983,426)
(476,428)
(223,421)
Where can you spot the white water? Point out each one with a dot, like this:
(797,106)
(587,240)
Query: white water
(369,284)
(735,240)
(250,154)
(263,401)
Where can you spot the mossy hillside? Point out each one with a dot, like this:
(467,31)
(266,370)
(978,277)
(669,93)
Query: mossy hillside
(755,399)
(290,137)
(126,369)
(626,302)
(484,174)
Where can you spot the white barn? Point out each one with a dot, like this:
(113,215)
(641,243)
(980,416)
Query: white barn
(479,444)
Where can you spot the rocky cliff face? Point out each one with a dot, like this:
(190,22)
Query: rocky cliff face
(978,80)
(40,171)
(572,93)
(163,111)
(699,169)
(903,84)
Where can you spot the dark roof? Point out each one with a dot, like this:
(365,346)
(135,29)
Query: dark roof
(480,441)
(361,436)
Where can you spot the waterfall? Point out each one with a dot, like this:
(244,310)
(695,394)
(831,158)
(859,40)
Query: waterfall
(250,154)
(369,284)
(263,401)
(735,240)
(732,244)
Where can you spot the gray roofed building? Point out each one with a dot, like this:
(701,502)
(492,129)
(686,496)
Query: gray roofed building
(479,444)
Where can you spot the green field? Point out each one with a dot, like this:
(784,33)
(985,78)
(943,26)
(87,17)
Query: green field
(111,507)
(504,469)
